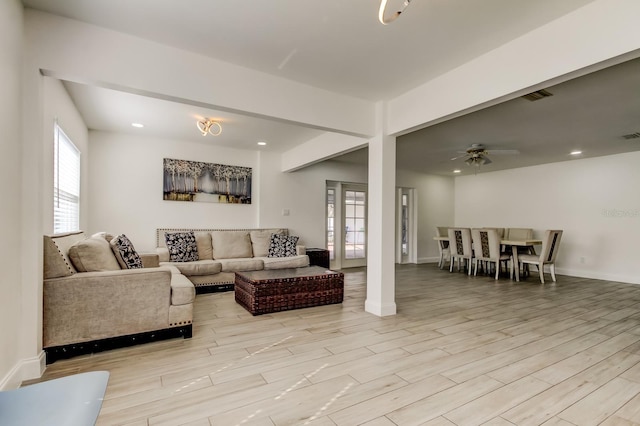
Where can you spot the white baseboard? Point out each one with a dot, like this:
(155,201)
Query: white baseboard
(25,369)
(381,310)
(596,275)
(428,260)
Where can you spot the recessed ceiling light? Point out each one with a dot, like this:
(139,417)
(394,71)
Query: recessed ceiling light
(457,171)
(138,125)
(262,143)
(576,152)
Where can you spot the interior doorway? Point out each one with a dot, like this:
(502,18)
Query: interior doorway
(406,231)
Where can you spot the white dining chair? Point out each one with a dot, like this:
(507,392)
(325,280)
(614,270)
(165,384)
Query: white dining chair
(443,246)
(460,247)
(547,256)
(486,248)
(518,234)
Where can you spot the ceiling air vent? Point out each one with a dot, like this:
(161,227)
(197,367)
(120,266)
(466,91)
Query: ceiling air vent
(635,135)
(537,95)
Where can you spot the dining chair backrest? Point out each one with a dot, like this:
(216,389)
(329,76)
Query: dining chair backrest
(519,234)
(442,231)
(460,241)
(486,243)
(501,231)
(550,245)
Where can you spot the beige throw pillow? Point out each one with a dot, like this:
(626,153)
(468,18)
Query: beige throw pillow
(92,255)
(231,244)
(203,242)
(56,248)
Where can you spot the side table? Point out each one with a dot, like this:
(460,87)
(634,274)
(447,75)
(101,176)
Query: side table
(319,257)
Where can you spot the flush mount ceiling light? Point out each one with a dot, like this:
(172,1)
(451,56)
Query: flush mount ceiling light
(209,126)
(138,125)
(383,7)
(575,152)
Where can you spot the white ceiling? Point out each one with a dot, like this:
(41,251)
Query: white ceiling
(590,114)
(340,46)
(114,111)
(337,45)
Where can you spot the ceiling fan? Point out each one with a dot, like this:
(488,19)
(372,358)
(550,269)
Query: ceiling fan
(477,154)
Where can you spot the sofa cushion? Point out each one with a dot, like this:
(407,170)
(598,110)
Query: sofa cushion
(203,241)
(56,261)
(107,236)
(182,246)
(260,240)
(126,254)
(182,290)
(231,244)
(198,267)
(239,265)
(163,254)
(285,262)
(282,245)
(92,255)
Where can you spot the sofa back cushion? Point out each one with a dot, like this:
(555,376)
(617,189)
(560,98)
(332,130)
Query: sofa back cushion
(56,248)
(127,256)
(261,238)
(93,254)
(203,241)
(231,244)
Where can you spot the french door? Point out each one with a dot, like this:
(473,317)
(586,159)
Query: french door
(354,219)
(346,231)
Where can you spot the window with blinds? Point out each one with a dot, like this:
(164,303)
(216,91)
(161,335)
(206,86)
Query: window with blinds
(66,184)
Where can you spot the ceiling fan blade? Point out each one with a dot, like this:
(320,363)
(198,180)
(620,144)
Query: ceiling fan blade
(504,151)
(459,156)
(486,160)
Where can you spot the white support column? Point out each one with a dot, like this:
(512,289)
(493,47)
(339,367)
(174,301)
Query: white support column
(381,284)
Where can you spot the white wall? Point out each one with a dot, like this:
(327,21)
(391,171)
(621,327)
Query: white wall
(435,202)
(126,187)
(303,193)
(126,190)
(10,174)
(595,201)
(58,105)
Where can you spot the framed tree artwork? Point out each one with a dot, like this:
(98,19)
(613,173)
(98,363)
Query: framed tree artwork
(185,180)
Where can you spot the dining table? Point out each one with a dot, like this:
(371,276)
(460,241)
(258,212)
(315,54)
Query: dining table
(514,244)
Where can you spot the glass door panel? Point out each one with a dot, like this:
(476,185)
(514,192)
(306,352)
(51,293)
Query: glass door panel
(355,227)
(331,211)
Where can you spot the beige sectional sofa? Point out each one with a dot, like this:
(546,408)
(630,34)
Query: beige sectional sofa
(221,252)
(91,304)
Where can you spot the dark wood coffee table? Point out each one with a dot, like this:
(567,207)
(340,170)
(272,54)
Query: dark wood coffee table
(263,292)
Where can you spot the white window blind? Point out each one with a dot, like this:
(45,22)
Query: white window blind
(66,184)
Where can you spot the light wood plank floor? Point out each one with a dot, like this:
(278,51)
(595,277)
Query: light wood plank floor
(461,351)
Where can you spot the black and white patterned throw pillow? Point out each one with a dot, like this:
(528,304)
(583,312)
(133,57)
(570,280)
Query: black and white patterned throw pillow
(126,254)
(282,245)
(182,246)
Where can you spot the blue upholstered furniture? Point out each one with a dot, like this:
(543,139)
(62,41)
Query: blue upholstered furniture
(69,401)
